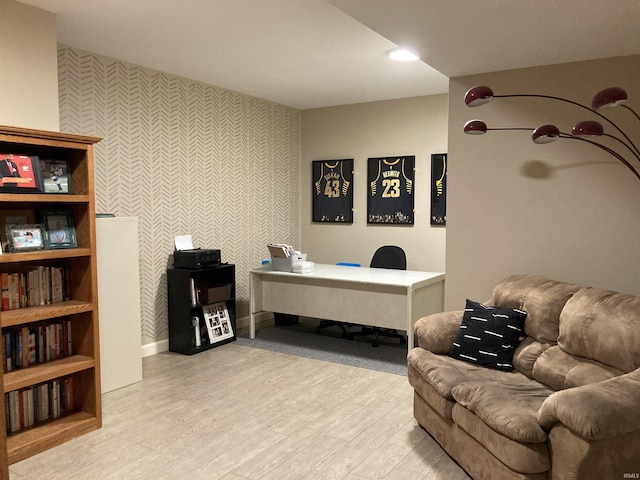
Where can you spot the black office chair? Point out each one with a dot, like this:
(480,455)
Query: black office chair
(335,323)
(392,257)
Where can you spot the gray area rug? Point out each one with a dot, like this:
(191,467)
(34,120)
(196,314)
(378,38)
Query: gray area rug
(301,340)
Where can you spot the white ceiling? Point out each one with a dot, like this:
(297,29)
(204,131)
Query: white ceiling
(316,53)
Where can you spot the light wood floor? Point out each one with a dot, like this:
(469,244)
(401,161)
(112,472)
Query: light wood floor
(239,413)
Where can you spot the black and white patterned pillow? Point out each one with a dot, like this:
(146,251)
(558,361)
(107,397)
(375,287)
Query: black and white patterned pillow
(488,336)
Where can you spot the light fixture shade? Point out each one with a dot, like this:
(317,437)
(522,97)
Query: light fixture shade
(588,128)
(545,134)
(477,96)
(475,127)
(608,98)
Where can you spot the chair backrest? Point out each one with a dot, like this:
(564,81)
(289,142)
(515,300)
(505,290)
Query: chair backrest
(389,256)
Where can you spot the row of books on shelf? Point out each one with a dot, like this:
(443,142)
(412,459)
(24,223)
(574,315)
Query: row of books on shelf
(38,344)
(39,286)
(29,406)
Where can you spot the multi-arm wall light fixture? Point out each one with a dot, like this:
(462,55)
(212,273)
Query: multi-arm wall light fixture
(584,131)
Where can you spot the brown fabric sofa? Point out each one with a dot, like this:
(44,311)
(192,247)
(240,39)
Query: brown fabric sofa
(570,409)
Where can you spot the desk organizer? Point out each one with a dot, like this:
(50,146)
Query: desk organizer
(286,264)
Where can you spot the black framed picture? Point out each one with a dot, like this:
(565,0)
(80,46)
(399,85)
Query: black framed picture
(332,191)
(19,173)
(25,238)
(439,189)
(55,176)
(390,190)
(60,229)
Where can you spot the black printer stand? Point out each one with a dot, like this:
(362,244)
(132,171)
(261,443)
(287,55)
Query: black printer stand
(193,293)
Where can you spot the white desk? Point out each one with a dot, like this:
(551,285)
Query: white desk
(368,296)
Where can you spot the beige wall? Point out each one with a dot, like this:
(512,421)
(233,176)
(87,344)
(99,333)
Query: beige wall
(413,126)
(580,224)
(29,80)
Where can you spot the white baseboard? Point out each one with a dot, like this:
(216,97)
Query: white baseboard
(242,328)
(155,347)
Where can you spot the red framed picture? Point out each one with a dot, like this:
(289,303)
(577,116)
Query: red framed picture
(19,173)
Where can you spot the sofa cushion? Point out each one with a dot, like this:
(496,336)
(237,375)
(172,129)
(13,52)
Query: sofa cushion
(526,354)
(488,336)
(603,326)
(543,300)
(443,372)
(522,457)
(508,408)
(559,370)
(437,402)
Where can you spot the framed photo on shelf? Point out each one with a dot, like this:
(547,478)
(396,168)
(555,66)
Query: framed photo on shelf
(25,238)
(332,191)
(439,189)
(19,173)
(55,176)
(60,230)
(390,190)
(217,321)
(14,217)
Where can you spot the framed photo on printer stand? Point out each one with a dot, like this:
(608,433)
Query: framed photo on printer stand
(332,191)
(218,322)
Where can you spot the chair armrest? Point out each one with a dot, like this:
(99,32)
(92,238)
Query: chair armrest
(599,410)
(436,332)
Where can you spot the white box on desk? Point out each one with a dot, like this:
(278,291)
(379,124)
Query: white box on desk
(286,264)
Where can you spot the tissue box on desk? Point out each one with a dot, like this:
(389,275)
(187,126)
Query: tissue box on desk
(286,264)
(304,267)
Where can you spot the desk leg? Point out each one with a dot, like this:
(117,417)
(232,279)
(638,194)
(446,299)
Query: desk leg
(255,303)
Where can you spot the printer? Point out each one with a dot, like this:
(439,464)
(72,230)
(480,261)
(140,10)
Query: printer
(196,258)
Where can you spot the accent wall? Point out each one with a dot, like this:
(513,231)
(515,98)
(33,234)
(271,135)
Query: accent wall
(185,158)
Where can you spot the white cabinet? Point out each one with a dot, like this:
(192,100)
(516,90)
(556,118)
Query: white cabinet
(119,302)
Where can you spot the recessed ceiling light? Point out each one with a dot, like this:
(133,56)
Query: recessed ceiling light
(402,55)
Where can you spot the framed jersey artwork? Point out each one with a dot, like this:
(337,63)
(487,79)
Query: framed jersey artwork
(332,191)
(439,189)
(390,190)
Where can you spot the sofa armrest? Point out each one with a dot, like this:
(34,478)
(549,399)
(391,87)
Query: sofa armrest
(436,332)
(598,410)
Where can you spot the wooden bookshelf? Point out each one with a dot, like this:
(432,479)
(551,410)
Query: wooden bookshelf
(83,365)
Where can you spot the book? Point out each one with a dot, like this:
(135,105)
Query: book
(5,290)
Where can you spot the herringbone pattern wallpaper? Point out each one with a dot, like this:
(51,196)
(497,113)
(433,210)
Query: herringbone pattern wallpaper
(185,158)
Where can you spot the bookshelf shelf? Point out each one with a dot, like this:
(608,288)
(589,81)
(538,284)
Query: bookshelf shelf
(184,304)
(42,197)
(44,372)
(44,255)
(12,318)
(38,439)
(76,376)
